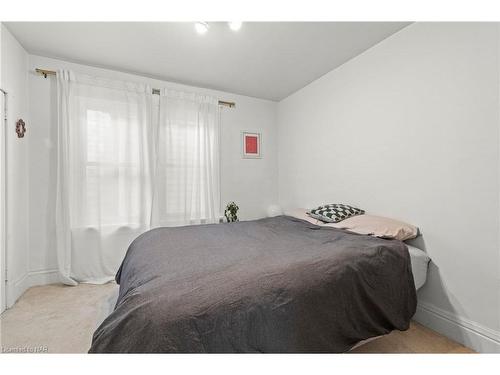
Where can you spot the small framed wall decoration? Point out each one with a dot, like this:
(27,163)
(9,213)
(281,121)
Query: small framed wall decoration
(251,145)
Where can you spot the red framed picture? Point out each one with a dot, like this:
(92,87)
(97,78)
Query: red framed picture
(251,145)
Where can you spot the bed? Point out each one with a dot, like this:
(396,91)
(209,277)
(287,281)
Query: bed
(272,285)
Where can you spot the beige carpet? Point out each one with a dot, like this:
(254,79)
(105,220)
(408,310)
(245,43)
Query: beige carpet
(61,319)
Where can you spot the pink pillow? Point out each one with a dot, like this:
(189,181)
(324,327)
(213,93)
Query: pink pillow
(377,226)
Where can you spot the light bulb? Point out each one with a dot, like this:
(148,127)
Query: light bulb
(201,27)
(235,26)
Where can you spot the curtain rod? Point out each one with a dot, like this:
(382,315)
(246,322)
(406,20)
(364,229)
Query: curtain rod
(46,73)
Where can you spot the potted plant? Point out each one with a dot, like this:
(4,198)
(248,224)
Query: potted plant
(231,212)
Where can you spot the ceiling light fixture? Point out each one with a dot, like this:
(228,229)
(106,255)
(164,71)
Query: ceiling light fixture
(235,26)
(201,27)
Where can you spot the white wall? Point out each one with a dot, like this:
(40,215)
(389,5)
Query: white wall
(14,80)
(410,129)
(251,183)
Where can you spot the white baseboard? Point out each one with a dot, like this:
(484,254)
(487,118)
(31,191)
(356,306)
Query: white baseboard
(32,278)
(43,277)
(467,332)
(15,289)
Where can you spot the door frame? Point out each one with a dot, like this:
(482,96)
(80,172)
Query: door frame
(3,201)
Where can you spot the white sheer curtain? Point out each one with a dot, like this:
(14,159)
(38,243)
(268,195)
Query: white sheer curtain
(187,187)
(104,182)
(123,168)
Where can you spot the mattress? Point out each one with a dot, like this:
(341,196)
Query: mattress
(419,263)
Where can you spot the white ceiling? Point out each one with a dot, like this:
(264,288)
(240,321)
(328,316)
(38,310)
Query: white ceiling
(269,60)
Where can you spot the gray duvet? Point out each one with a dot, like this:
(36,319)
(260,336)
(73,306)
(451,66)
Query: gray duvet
(272,285)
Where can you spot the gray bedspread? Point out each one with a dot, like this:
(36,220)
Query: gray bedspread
(271,285)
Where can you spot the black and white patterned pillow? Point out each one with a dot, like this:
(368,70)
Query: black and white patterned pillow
(333,213)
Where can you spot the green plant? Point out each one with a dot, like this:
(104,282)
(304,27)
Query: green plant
(231,212)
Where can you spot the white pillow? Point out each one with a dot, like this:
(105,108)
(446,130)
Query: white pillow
(301,213)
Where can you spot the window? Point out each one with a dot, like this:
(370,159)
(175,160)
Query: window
(111,176)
